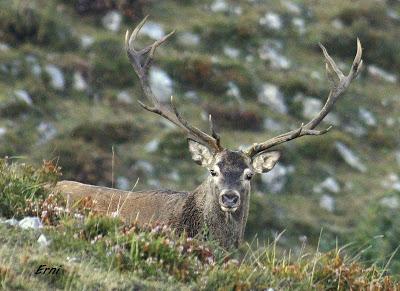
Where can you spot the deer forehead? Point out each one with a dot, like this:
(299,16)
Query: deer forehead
(232,162)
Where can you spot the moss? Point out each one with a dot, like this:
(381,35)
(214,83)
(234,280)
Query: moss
(221,30)
(309,147)
(106,134)
(83,161)
(173,146)
(109,57)
(382,138)
(377,230)
(235,118)
(24,23)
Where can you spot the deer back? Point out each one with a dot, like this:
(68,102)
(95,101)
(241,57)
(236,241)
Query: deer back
(158,206)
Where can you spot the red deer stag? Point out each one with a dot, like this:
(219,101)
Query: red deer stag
(221,203)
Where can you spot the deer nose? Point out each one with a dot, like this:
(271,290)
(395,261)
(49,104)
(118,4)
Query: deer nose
(230,198)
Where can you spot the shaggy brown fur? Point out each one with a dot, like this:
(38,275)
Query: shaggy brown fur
(192,212)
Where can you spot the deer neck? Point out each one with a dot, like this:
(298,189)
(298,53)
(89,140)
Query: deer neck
(223,226)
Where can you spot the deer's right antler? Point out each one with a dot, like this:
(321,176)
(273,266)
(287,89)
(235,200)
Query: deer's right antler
(141,61)
(339,84)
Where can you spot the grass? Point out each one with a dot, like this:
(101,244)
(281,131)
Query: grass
(95,252)
(99,138)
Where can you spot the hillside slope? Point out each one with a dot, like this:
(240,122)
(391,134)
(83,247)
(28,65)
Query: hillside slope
(67,92)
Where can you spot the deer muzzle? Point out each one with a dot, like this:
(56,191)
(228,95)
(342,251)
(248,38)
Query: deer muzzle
(229,200)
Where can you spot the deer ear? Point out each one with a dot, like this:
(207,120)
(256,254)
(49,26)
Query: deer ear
(200,153)
(264,162)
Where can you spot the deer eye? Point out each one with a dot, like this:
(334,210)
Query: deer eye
(248,174)
(213,173)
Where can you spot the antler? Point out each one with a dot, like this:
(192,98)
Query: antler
(340,83)
(141,61)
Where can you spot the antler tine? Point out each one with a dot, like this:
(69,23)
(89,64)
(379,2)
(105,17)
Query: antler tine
(215,135)
(141,68)
(212,141)
(340,83)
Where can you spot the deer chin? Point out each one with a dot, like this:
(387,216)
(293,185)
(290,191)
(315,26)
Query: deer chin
(229,209)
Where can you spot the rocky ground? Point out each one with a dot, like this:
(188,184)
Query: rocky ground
(68,93)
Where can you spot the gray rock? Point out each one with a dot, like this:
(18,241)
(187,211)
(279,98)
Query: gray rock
(152,146)
(57,80)
(124,97)
(397,155)
(33,62)
(154,183)
(204,115)
(276,179)
(234,91)
(12,222)
(391,202)
(23,95)
(329,184)
(271,20)
(36,70)
(272,125)
(86,41)
(272,97)
(311,107)
(350,158)
(393,14)
(123,183)
(379,73)
(144,166)
(231,52)
(390,121)
(3,131)
(189,39)
(47,131)
(161,84)
(219,6)
(112,21)
(392,182)
(174,175)
(238,10)
(270,51)
(327,202)
(249,59)
(299,24)
(153,30)
(316,75)
(303,239)
(72,259)
(191,95)
(292,7)
(367,117)
(337,24)
(43,241)
(4,47)
(79,82)
(355,129)
(3,68)
(30,222)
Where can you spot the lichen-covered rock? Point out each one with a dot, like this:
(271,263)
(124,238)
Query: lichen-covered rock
(112,21)
(271,96)
(349,157)
(57,80)
(30,222)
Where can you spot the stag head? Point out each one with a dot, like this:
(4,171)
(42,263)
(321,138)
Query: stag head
(231,171)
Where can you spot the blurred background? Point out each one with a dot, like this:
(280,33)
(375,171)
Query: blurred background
(68,94)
